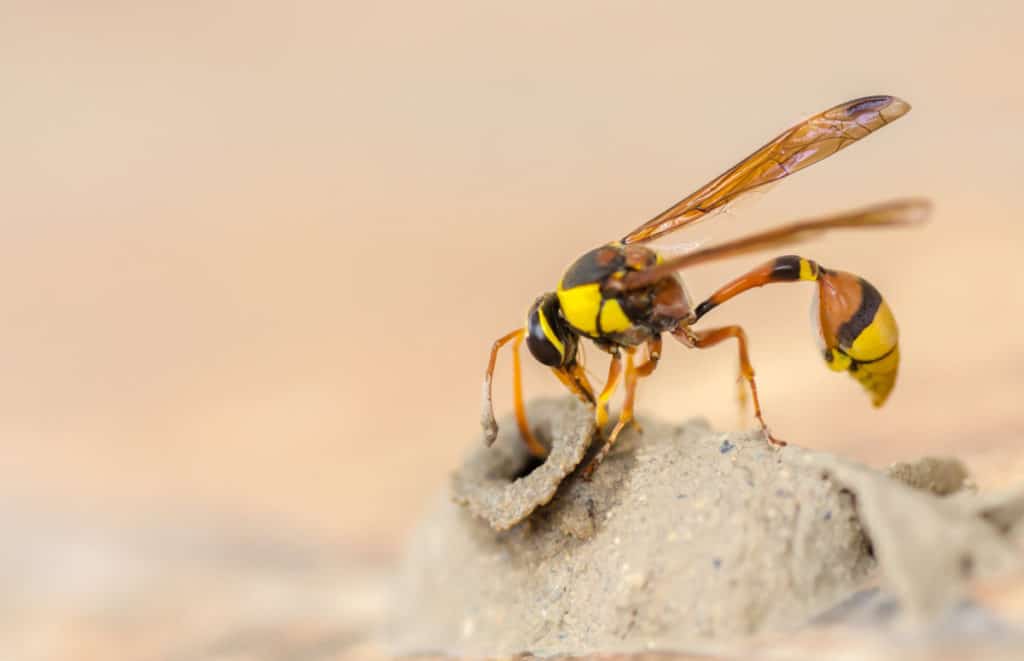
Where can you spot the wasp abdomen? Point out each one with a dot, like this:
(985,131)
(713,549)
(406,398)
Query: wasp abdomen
(859,331)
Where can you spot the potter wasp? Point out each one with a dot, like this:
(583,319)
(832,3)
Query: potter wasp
(623,296)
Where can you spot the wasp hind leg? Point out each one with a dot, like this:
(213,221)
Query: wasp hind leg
(709,338)
(487,414)
(645,370)
(856,328)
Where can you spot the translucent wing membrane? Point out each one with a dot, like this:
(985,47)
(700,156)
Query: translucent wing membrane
(803,145)
(887,214)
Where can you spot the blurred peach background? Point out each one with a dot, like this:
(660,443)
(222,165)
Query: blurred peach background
(255,253)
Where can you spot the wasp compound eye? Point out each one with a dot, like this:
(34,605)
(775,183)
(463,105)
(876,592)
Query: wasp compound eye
(550,342)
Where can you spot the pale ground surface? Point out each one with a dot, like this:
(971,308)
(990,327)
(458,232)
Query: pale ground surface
(691,539)
(683,538)
(207,590)
(254,255)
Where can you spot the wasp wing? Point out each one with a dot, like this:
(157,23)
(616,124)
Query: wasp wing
(886,214)
(805,144)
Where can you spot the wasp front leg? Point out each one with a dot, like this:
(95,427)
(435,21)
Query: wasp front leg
(487,420)
(855,326)
(574,377)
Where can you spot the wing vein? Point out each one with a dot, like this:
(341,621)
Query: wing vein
(803,145)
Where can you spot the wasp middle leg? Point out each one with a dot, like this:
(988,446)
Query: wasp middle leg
(633,375)
(614,372)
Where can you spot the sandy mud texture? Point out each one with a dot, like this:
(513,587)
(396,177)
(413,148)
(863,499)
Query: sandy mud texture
(685,539)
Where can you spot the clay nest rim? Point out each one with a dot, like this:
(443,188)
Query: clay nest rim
(504,484)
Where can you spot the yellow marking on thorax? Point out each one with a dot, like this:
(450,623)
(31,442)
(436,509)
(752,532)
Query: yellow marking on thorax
(613,317)
(580,306)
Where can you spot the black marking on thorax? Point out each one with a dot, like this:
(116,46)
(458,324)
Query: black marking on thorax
(594,266)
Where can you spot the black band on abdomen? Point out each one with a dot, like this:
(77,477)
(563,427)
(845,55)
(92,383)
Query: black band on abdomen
(870,300)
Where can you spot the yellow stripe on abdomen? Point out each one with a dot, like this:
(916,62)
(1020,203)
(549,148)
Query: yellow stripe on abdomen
(879,376)
(877,339)
(876,356)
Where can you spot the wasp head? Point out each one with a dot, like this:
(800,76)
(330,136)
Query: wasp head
(548,336)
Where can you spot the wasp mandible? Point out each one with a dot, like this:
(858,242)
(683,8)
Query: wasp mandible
(623,296)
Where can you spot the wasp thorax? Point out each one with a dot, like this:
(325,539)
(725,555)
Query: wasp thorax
(547,336)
